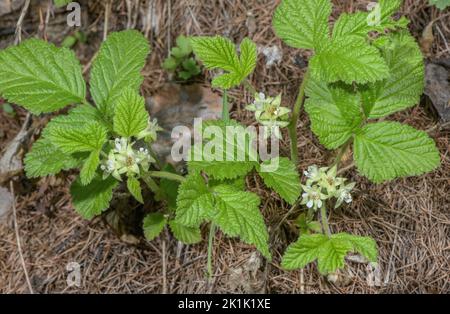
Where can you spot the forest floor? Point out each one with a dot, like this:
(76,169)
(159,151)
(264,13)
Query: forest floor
(409,218)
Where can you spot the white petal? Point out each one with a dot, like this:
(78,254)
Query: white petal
(310,204)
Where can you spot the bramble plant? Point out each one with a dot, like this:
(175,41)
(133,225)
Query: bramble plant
(366,69)
(181,62)
(214,191)
(108,142)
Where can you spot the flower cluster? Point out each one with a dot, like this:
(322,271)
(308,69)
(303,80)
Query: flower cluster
(323,184)
(150,133)
(124,159)
(270,113)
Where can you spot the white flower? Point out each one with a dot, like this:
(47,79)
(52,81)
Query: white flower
(343,194)
(313,197)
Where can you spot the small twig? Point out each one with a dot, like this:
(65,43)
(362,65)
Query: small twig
(19,246)
(18,33)
(107,14)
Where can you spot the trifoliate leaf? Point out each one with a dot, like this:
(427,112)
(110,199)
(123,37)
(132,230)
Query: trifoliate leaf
(388,150)
(90,166)
(440,4)
(134,187)
(220,53)
(45,159)
(239,216)
(349,59)
(404,86)
(284,180)
(130,117)
(303,23)
(117,67)
(91,200)
(195,202)
(153,225)
(72,140)
(187,235)
(330,252)
(41,77)
(334,111)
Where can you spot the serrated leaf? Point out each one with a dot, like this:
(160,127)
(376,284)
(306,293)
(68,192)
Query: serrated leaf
(130,117)
(45,159)
(41,77)
(330,252)
(77,118)
(220,53)
(238,215)
(187,235)
(388,150)
(284,180)
(91,200)
(231,158)
(349,59)
(334,111)
(195,202)
(73,140)
(134,187)
(303,23)
(90,166)
(117,67)
(356,24)
(153,225)
(404,86)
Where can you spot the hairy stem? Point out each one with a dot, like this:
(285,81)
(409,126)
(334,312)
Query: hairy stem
(325,225)
(295,115)
(225,110)
(212,232)
(342,151)
(249,87)
(166,175)
(150,183)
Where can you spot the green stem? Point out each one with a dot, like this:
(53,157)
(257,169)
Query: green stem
(295,115)
(166,175)
(225,111)
(342,151)
(323,216)
(150,183)
(155,157)
(212,232)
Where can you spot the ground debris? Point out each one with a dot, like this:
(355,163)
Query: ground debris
(438,89)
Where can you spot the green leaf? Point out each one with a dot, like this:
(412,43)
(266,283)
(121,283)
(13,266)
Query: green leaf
(440,4)
(334,111)
(356,24)
(45,159)
(41,77)
(228,159)
(60,3)
(349,59)
(91,200)
(284,180)
(153,225)
(77,118)
(118,67)
(73,140)
(330,252)
(130,117)
(303,23)
(187,235)
(220,53)
(170,64)
(388,150)
(195,202)
(89,168)
(168,189)
(184,44)
(238,215)
(405,85)
(134,187)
